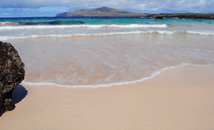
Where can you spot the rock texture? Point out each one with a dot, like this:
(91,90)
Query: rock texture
(11,74)
(183,15)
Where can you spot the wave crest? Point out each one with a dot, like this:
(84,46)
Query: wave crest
(84,26)
(158,32)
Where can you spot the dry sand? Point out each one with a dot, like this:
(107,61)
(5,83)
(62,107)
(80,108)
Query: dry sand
(176,99)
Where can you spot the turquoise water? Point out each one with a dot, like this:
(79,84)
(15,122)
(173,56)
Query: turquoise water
(92,52)
(107,20)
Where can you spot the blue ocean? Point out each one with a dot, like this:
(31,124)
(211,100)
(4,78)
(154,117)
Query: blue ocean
(93,52)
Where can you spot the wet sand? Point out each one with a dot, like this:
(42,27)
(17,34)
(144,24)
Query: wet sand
(176,99)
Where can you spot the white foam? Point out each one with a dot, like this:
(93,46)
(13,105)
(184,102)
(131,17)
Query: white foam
(3,38)
(83,26)
(162,32)
(8,23)
(201,32)
(104,85)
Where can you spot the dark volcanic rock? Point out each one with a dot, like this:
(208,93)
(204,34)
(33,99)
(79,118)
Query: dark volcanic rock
(11,74)
(183,15)
(158,17)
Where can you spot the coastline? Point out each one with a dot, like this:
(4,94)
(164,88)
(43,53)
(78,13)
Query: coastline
(111,84)
(177,98)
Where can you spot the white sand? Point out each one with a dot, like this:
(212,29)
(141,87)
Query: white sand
(176,99)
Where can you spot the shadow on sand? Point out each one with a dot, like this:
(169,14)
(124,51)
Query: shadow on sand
(19,93)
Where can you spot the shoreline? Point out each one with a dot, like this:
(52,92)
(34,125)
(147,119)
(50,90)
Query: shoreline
(154,74)
(179,98)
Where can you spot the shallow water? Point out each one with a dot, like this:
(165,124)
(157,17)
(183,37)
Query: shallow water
(103,54)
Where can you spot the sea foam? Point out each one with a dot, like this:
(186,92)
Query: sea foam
(160,32)
(106,85)
(84,26)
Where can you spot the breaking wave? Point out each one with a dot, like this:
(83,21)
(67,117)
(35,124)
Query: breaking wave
(83,26)
(158,32)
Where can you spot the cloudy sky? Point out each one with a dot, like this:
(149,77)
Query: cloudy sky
(27,8)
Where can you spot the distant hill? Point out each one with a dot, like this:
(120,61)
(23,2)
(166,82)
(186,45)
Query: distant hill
(100,12)
(110,12)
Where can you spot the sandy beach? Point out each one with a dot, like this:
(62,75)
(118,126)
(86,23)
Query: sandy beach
(81,72)
(176,99)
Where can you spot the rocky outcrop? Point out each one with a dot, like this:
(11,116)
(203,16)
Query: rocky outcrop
(183,15)
(11,74)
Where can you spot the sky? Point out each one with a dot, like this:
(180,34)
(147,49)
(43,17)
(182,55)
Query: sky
(42,8)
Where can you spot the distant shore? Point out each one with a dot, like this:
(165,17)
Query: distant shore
(156,16)
(182,15)
(110,12)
